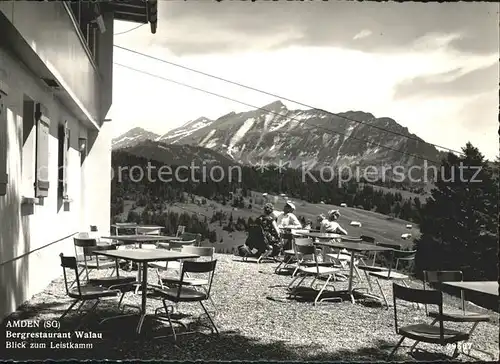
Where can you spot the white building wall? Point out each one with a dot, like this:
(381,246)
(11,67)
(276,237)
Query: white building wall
(96,179)
(21,230)
(47,28)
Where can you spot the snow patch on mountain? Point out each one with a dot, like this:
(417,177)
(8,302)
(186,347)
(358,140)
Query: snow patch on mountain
(240,133)
(207,138)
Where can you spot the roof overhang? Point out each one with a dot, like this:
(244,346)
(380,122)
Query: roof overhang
(136,11)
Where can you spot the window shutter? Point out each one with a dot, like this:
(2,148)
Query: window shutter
(65,160)
(3,140)
(42,151)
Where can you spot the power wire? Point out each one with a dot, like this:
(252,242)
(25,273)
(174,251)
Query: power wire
(274,112)
(128,31)
(281,97)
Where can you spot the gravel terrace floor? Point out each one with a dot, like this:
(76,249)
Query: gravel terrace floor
(256,322)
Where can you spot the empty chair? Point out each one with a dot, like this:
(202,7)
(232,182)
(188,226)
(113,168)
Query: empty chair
(186,239)
(368,255)
(463,316)
(422,331)
(303,250)
(83,292)
(87,259)
(124,284)
(148,230)
(287,253)
(392,273)
(204,253)
(383,259)
(184,292)
(125,227)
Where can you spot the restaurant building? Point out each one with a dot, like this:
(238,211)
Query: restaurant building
(56,75)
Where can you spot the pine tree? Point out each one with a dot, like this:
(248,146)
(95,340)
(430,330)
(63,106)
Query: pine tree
(459,222)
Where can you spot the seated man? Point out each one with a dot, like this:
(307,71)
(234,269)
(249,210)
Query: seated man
(288,220)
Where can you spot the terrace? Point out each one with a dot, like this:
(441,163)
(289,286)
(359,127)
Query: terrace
(256,322)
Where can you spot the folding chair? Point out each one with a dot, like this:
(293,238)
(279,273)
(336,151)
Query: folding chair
(304,249)
(391,273)
(462,315)
(186,239)
(424,332)
(373,266)
(83,292)
(125,284)
(88,260)
(185,293)
(256,240)
(205,253)
(287,255)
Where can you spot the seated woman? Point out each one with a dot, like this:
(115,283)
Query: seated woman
(270,229)
(320,221)
(264,236)
(331,225)
(288,220)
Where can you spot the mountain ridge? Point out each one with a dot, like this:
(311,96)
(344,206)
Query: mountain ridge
(305,138)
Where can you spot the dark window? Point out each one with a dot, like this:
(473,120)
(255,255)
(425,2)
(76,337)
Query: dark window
(64,142)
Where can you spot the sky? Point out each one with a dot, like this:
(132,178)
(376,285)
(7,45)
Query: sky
(431,67)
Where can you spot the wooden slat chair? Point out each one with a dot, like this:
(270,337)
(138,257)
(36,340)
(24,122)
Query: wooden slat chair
(307,265)
(87,259)
(462,316)
(184,292)
(82,292)
(423,332)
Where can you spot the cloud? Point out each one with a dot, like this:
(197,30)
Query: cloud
(185,26)
(363,34)
(457,82)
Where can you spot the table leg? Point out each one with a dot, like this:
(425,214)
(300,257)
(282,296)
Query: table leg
(351,271)
(144,295)
(139,273)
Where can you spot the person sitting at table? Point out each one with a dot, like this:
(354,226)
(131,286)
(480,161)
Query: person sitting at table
(270,230)
(288,220)
(320,221)
(331,225)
